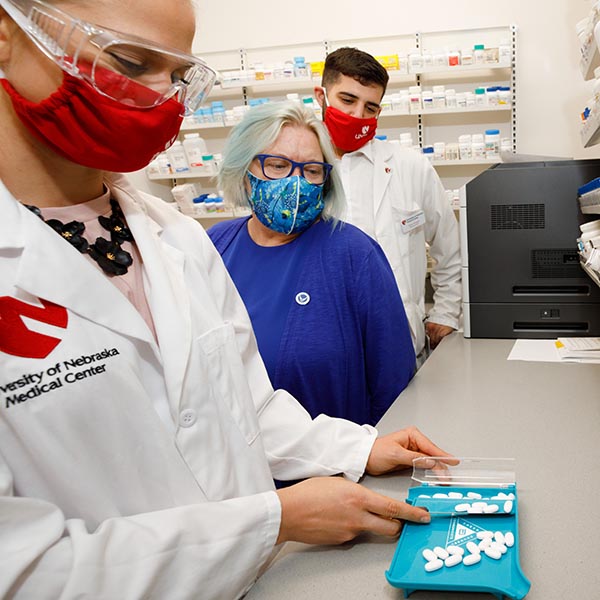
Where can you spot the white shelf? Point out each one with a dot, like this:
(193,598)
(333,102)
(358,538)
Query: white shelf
(462,69)
(590,130)
(454,163)
(443,111)
(196,126)
(285,83)
(191,174)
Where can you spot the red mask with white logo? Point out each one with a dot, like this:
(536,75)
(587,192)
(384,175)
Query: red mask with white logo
(348,133)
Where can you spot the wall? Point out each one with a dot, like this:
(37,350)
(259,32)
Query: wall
(551,91)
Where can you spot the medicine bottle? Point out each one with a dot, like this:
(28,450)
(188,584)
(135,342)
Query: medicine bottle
(406,140)
(414,92)
(492,95)
(480,98)
(164,164)
(504,52)
(427,60)
(461,100)
(440,59)
(477,147)
(300,67)
(439,96)
(177,158)
(505,146)
(453,58)
(288,69)
(427,99)
(194,147)
(208,164)
(466,56)
(402,62)
(492,143)
(478,57)
(451,101)
(464,147)
(452,151)
(415,61)
(439,151)
(504,95)
(428,153)
(259,71)
(469,99)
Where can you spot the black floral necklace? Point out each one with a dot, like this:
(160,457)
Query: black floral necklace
(113,260)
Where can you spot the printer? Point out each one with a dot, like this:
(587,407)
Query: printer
(521,275)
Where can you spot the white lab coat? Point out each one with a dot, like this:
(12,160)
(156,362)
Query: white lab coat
(148,472)
(387,184)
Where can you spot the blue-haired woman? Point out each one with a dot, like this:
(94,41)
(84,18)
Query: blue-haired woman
(323,302)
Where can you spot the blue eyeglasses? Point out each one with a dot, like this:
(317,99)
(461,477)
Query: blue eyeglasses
(278,167)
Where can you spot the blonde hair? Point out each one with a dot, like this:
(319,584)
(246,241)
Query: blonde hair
(258,130)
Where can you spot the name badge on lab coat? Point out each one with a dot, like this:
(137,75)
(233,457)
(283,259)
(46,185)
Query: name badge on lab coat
(412,222)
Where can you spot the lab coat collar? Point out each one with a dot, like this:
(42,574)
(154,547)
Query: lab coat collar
(51,269)
(382,153)
(166,291)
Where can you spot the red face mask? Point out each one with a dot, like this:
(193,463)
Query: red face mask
(349,133)
(95,131)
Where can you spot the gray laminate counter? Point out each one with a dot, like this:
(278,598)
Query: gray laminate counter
(473,402)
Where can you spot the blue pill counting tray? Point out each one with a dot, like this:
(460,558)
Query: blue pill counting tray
(457,486)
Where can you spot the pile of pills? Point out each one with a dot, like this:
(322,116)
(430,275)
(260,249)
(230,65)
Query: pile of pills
(480,506)
(493,544)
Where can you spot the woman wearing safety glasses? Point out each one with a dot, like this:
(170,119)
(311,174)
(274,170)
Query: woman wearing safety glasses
(133,460)
(327,314)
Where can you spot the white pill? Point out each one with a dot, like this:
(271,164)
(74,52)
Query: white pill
(485,543)
(493,553)
(510,496)
(462,507)
(481,535)
(501,496)
(453,560)
(455,495)
(440,552)
(455,550)
(471,559)
(429,555)
(440,495)
(473,495)
(480,505)
(433,565)
(499,537)
(475,510)
(491,508)
(424,496)
(473,548)
(509,539)
(508,506)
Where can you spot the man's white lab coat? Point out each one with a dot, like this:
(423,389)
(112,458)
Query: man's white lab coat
(396,197)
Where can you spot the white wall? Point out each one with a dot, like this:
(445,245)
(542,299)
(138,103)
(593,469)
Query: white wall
(551,91)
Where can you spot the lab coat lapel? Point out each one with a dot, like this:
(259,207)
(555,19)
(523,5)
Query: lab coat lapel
(382,158)
(166,293)
(53,270)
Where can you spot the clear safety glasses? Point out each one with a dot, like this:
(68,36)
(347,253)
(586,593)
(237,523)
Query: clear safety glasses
(131,70)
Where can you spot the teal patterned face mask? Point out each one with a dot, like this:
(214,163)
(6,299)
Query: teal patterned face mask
(288,205)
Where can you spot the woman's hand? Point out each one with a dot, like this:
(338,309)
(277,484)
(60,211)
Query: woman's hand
(332,510)
(397,450)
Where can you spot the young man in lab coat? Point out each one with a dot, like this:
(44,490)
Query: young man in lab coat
(393,194)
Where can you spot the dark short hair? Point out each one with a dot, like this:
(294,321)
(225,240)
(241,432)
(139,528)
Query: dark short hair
(354,63)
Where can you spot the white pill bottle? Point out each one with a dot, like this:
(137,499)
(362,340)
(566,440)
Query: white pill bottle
(177,158)
(194,147)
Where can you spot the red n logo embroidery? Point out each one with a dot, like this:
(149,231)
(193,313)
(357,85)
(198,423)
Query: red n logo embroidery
(16,339)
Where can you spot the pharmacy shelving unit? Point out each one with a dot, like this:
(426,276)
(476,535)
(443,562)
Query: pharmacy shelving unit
(427,126)
(590,135)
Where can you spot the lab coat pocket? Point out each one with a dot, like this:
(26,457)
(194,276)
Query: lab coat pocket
(227,372)
(408,222)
